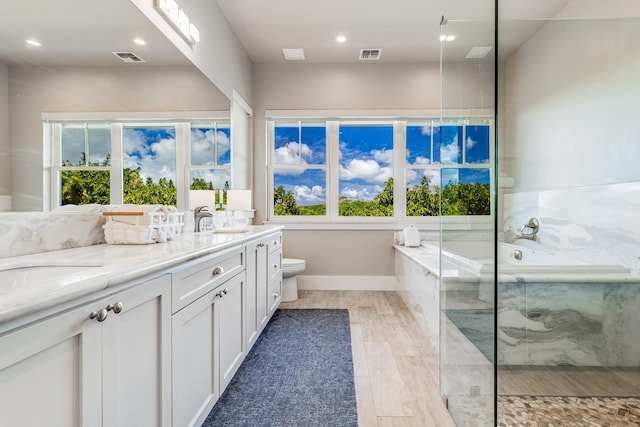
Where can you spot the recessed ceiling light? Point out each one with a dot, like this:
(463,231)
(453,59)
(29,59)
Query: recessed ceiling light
(447,38)
(478,52)
(293,54)
(139,42)
(341,39)
(33,42)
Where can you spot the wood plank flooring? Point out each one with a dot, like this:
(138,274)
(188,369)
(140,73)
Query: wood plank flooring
(395,367)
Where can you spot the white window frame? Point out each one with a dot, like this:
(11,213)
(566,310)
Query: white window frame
(181,121)
(400,119)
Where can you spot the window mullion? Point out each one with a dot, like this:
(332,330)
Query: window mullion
(333,166)
(399,174)
(182,158)
(116,180)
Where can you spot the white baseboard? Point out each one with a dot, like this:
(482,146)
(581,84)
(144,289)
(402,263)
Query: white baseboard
(346,283)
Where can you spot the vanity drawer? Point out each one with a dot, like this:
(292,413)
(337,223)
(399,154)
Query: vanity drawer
(275,243)
(275,265)
(198,277)
(275,294)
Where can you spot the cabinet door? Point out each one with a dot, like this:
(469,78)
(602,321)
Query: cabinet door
(50,372)
(231,337)
(256,305)
(136,356)
(195,383)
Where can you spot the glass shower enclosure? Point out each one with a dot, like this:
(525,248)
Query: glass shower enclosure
(540,301)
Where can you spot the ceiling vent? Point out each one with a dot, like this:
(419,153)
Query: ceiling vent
(128,56)
(293,54)
(370,54)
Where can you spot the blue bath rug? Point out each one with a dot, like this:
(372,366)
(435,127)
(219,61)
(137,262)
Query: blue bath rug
(298,373)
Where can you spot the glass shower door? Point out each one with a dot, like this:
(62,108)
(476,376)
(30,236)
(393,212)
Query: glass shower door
(466,141)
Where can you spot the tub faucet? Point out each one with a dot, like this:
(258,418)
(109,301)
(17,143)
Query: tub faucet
(199,213)
(529,230)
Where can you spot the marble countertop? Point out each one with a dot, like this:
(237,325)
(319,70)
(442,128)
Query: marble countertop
(35,283)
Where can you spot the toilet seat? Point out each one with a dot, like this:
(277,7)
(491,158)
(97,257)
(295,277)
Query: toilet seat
(292,262)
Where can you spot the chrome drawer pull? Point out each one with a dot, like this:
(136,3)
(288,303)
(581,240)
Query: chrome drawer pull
(100,315)
(117,307)
(275,266)
(276,295)
(217,270)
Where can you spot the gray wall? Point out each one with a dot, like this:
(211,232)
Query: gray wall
(219,55)
(34,90)
(5,147)
(572,98)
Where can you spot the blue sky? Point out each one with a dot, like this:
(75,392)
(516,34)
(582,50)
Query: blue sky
(153,149)
(366,158)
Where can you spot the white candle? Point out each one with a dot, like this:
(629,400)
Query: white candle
(221,197)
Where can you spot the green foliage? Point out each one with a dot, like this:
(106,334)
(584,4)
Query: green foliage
(284,203)
(86,186)
(457,199)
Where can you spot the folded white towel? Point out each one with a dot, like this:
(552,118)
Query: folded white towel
(143,219)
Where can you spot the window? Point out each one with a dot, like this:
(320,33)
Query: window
(140,163)
(210,156)
(300,169)
(416,168)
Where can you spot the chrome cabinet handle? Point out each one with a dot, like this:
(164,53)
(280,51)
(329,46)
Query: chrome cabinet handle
(275,266)
(275,242)
(222,293)
(117,307)
(100,315)
(217,270)
(260,245)
(276,295)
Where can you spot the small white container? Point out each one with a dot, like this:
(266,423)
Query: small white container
(411,236)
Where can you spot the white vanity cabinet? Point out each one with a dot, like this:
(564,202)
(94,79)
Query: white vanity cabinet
(274,293)
(264,279)
(208,336)
(105,363)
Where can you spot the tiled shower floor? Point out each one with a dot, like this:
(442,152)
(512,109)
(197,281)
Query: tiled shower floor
(538,411)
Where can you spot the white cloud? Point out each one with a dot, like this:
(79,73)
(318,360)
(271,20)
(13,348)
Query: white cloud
(422,161)
(426,130)
(368,170)
(157,160)
(293,153)
(306,195)
(363,193)
(202,150)
(449,152)
(383,156)
(470,142)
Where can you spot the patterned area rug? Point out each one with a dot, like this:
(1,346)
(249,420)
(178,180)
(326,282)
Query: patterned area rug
(299,373)
(538,411)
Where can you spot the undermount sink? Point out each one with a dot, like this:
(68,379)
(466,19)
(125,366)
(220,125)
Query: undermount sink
(17,275)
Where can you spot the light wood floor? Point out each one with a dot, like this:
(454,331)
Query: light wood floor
(395,367)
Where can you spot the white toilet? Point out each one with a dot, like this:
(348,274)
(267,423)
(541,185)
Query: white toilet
(290,268)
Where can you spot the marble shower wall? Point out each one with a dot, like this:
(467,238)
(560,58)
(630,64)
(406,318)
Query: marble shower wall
(571,323)
(598,223)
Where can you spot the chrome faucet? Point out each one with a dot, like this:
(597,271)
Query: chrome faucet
(529,230)
(199,213)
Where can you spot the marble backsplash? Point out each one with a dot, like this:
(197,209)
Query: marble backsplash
(24,233)
(599,222)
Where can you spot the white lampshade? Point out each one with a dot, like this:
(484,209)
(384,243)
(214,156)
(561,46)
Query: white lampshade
(239,200)
(201,198)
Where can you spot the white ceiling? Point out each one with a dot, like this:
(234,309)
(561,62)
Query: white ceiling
(86,32)
(80,32)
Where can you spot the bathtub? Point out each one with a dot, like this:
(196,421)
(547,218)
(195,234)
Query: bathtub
(477,257)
